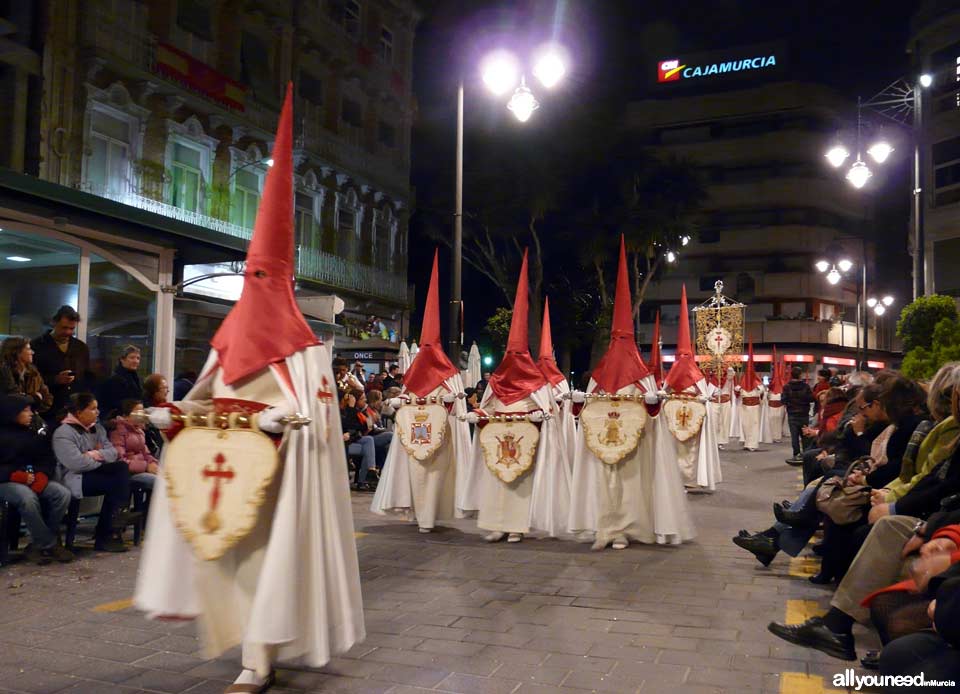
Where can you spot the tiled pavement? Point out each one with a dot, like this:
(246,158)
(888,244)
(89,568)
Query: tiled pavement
(449,613)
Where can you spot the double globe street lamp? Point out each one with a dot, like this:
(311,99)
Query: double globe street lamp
(501,72)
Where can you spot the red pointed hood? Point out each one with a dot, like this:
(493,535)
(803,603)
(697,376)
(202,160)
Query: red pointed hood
(749,381)
(517,376)
(656,364)
(621,365)
(432,366)
(545,360)
(776,380)
(684,372)
(265,326)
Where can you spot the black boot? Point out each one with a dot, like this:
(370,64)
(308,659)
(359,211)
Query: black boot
(762,547)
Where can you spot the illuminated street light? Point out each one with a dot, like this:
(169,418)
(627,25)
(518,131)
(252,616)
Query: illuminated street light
(488,360)
(880,309)
(671,257)
(500,71)
(926,80)
(269,162)
(844,264)
(684,240)
(880,151)
(833,277)
(859,174)
(550,65)
(871,302)
(888,300)
(836,155)
(822,265)
(523,103)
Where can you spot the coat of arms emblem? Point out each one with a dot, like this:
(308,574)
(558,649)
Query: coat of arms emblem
(509,448)
(421,429)
(612,428)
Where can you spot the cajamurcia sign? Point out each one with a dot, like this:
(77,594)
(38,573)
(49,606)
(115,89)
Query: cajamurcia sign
(673,70)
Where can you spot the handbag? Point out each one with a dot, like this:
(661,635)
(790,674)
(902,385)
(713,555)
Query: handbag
(842,502)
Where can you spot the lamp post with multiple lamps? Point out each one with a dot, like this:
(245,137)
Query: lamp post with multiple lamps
(835,265)
(902,103)
(501,73)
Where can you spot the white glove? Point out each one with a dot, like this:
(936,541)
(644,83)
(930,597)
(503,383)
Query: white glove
(651,398)
(662,394)
(578,396)
(736,389)
(702,398)
(269,419)
(449,397)
(395,403)
(536,416)
(160,417)
(471,418)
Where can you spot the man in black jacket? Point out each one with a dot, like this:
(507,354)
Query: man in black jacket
(124,384)
(27,467)
(62,359)
(797,398)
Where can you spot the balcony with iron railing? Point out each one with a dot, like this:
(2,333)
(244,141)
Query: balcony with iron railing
(310,264)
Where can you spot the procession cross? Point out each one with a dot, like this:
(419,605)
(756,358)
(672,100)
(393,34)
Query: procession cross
(683,417)
(219,474)
(719,341)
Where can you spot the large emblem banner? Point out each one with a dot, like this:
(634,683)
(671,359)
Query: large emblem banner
(612,428)
(217,480)
(422,429)
(509,448)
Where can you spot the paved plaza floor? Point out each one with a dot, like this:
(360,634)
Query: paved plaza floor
(449,613)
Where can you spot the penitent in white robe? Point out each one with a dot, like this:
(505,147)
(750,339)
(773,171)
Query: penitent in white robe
(568,423)
(698,457)
(750,418)
(773,419)
(290,591)
(539,500)
(641,497)
(433,489)
(720,412)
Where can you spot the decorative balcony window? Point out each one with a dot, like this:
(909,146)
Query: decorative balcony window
(386,135)
(186,186)
(348,220)
(351,113)
(108,158)
(188,159)
(305,220)
(246,197)
(385,47)
(255,70)
(310,88)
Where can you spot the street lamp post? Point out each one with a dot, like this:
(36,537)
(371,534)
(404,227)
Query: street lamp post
(901,102)
(500,72)
(835,265)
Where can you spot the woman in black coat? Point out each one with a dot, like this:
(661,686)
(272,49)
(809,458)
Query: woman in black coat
(124,384)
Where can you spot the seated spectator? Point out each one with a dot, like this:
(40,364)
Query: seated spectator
(87,465)
(130,440)
(370,418)
(182,384)
(18,375)
(356,439)
(155,393)
(27,467)
(123,384)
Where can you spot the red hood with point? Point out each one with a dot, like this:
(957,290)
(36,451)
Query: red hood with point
(545,359)
(656,364)
(266,326)
(749,380)
(684,373)
(432,366)
(776,381)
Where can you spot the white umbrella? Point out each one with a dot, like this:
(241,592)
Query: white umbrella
(473,366)
(404,358)
(414,348)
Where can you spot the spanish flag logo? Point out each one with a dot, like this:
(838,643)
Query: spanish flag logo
(669,70)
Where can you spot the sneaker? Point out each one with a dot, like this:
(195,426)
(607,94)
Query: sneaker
(111,545)
(495,536)
(61,554)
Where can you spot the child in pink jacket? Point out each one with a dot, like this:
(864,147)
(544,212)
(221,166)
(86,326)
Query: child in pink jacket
(130,441)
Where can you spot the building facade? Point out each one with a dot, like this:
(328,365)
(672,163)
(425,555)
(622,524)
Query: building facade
(159,115)
(935,47)
(772,209)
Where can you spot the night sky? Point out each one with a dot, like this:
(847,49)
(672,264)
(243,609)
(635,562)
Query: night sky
(856,46)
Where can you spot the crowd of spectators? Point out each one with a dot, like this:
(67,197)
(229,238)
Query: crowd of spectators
(64,437)
(881,468)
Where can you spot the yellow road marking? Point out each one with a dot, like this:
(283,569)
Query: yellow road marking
(799,683)
(799,611)
(114,606)
(803,567)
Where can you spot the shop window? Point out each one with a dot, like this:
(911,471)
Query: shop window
(187,177)
(37,276)
(246,198)
(386,45)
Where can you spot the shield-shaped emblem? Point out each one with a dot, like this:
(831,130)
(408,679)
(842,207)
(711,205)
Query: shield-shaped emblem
(217,480)
(612,428)
(422,429)
(684,417)
(509,448)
